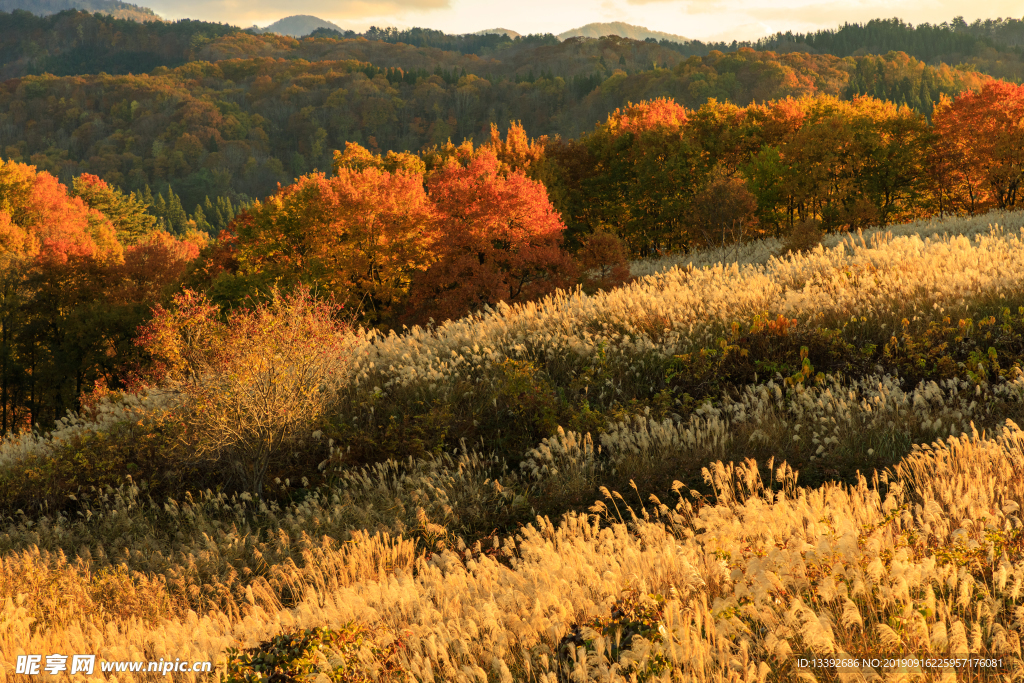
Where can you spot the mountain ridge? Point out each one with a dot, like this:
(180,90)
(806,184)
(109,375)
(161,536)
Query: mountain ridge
(621,29)
(299,25)
(115,8)
(507,31)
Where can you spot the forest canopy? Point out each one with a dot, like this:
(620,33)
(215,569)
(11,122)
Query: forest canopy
(236,127)
(409,179)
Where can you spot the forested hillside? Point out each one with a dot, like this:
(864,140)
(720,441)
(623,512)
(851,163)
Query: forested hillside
(992,46)
(238,125)
(114,8)
(73,42)
(409,356)
(598,150)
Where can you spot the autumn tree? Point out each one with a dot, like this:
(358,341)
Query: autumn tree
(891,143)
(497,239)
(360,236)
(71,294)
(155,265)
(723,212)
(845,164)
(127,212)
(253,385)
(602,262)
(56,253)
(517,151)
(649,166)
(979,154)
(56,225)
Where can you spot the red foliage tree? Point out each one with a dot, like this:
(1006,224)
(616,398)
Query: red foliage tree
(978,159)
(498,239)
(56,225)
(360,236)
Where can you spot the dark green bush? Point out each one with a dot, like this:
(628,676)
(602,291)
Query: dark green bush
(291,658)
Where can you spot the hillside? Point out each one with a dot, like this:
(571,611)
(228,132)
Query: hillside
(83,44)
(622,30)
(300,25)
(650,178)
(603,528)
(408,357)
(287,114)
(72,42)
(313,365)
(501,31)
(114,8)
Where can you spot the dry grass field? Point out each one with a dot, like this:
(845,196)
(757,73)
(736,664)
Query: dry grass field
(737,461)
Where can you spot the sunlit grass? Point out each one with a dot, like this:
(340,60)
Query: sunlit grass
(439,567)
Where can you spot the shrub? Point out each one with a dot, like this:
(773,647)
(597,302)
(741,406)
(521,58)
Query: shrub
(804,236)
(255,384)
(602,262)
(334,654)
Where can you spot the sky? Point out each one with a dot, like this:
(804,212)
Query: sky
(699,19)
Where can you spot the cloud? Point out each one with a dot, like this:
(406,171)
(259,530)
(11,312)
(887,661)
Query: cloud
(246,12)
(706,7)
(744,31)
(819,14)
(831,15)
(691,6)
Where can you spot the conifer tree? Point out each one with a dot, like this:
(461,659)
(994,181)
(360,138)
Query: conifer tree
(213,216)
(176,216)
(159,205)
(128,213)
(200,219)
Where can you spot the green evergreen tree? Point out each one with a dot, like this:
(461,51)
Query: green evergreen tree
(176,216)
(159,206)
(127,212)
(200,219)
(226,210)
(213,216)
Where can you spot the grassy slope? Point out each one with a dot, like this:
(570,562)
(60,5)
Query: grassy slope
(665,386)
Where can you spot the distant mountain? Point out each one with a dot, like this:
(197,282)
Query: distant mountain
(115,8)
(300,25)
(623,30)
(508,32)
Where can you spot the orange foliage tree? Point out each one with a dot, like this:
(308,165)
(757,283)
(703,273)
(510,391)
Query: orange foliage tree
(497,238)
(359,236)
(48,221)
(978,158)
(71,294)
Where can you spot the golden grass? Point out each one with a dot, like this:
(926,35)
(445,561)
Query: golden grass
(925,558)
